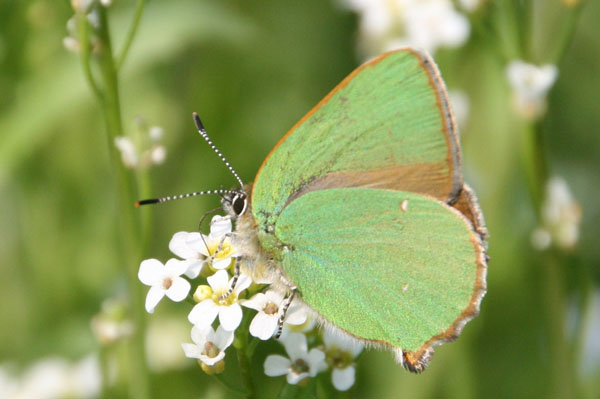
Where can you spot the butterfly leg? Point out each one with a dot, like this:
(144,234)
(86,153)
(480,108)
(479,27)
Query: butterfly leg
(236,276)
(286,306)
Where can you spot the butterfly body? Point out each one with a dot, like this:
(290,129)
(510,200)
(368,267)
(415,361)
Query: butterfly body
(361,207)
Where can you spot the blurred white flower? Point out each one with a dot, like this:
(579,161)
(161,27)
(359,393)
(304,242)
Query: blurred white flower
(470,5)
(269,307)
(561,217)
(460,105)
(163,337)
(209,346)
(81,5)
(163,280)
(129,154)
(145,150)
(301,364)
(111,324)
(106,3)
(9,384)
(340,352)
(57,378)
(228,309)
(390,24)
(530,84)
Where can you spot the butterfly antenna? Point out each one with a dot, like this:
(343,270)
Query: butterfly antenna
(181,196)
(202,132)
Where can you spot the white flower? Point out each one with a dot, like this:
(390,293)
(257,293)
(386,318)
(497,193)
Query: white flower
(470,5)
(301,364)
(110,324)
(269,306)
(129,154)
(428,24)
(340,352)
(530,84)
(209,346)
(561,216)
(435,23)
(460,106)
(163,280)
(182,244)
(163,339)
(228,309)
(217,242)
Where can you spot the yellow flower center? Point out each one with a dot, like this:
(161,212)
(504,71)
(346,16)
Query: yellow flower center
(271,308)
(221,253)
(230,300)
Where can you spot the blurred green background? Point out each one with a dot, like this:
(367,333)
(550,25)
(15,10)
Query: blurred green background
(251,69)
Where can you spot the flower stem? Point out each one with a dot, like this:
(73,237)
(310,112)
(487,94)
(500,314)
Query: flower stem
(139,8)
(243,354)
(128,225)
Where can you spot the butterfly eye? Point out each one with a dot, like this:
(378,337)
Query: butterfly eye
(238,204)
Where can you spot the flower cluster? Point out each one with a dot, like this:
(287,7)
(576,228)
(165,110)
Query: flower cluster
(530,85)
(144,150)
(204,274)
(86,8)
(561,216)
(428,24)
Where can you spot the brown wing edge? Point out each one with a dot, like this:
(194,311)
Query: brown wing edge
(467,206)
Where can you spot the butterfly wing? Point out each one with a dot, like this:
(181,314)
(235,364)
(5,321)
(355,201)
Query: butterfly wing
(387,125)
(400,269)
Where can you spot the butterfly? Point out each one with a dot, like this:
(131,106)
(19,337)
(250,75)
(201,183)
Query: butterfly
(361,212)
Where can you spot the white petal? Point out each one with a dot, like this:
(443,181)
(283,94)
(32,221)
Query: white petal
(191,350)
(293,378)
(341,341)
(295,345)
(276,365)
(211,361)
(204,313)
(194,267)
(179,246)
(343,379)
(194,242)
(263,326)
(296,314)
(230,316)
(316,360)
(151,272)
(223,338)
(219,226)
(155,294)
(219,280)
(200,333)
(220,264)
(179,289)
(243,282)
(257,302)
(175,267)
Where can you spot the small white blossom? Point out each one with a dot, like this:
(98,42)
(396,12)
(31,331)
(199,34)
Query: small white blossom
(209,346)
(110,324)
(561,216)
(340,352)
(530,84)
(106,3)
(129,154)
(156,133)
(163,339)
(163,280)
(470,5)
(81,5)
(428,24)
(217,244)
(182,244)
(269,306)
(228,309)
(301,363)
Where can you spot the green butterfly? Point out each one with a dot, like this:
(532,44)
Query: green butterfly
(361,210)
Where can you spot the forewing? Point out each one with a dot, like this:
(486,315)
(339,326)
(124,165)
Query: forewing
(387,125)
(397,268)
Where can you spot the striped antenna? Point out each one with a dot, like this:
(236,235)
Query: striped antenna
(181,196)
(202,132)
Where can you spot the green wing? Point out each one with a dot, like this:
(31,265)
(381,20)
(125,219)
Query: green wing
(387,125)
(406,279)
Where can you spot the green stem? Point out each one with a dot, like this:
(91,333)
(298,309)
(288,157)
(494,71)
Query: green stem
(243,353)
(568,30)
(128,225)
(139,8)
(84,52)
